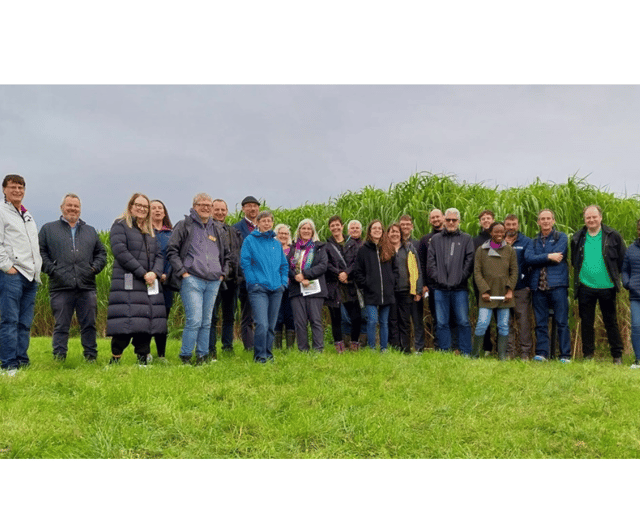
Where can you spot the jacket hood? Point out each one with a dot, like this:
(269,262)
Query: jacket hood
(266,235)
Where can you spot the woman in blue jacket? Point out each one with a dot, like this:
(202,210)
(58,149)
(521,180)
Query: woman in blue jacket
(631,281)
(265,271)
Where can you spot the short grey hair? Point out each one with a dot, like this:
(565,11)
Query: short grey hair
(263,214)
(354,221)
(70,196)
(455,211)
(202,196)
(310,222)
(283,226)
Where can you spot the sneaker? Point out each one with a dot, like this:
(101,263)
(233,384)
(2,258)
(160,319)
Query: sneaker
(539,358)
(635,365)
(617,360)
(565,360)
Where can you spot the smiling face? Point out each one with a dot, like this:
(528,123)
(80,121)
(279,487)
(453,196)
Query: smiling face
(451,222)
(406,227)
(355,231)
(511,225)
(546,222)
(336,228)
(395,235)
(251,210)
(436,219)
(306,232)
(71,209)
(140,208)
(283,236)
(14,192)
(485,221)
(376,232)
(497,234)
(592,219)
(157,211)
(219,211)
(203,209)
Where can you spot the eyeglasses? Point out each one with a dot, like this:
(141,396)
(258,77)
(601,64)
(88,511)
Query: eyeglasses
(452,220)
(204,205)
(140,206)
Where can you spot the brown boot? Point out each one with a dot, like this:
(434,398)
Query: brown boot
(291,338)
(354,347)
(339,347)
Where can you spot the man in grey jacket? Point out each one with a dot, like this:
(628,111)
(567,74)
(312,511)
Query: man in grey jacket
(72,256)
(449,266)
(20,263)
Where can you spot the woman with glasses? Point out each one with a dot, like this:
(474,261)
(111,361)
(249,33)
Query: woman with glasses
(136,308)
(285,315)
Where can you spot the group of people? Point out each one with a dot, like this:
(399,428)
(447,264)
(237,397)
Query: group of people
(283,281)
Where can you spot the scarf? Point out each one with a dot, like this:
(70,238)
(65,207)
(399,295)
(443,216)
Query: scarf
(303,256)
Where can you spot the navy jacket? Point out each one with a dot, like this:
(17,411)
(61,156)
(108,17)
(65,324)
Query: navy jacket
(631,270)
(524,271)
(70,265)
(536,256)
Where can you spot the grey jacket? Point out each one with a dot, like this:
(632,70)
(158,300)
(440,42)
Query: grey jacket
(19,242)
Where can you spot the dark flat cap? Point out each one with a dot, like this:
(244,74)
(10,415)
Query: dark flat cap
(250,200)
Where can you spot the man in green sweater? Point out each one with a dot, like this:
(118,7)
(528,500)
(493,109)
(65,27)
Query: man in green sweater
(597,252)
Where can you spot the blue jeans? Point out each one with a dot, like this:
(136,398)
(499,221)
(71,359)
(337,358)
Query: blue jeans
(17,301)
(458,301)
(198,297)
(635,328)
(484,319)
(556,299)
(377,314)
(265,305)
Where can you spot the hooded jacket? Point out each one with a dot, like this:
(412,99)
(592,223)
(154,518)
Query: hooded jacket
(262,261)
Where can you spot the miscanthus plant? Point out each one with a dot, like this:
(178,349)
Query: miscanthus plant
(355,405)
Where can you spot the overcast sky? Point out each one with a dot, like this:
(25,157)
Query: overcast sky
(291,144)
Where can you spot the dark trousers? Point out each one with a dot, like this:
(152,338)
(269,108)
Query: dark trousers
(285,315)
(63,304)
(521,319)
(246,318)
(141,344)
(408,310)
(355,318)
(227,301)
(336,323)
(587,298)
(555,299)
(161,339)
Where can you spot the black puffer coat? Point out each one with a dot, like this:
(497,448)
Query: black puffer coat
(134,311)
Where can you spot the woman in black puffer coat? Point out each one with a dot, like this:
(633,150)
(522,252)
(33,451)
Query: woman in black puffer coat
(134,314)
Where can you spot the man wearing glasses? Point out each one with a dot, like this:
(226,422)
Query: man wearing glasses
(449,266)
(200,261)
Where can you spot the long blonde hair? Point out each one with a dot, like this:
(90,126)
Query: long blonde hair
(146,227)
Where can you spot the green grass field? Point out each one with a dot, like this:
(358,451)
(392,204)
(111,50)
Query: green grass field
(360,405)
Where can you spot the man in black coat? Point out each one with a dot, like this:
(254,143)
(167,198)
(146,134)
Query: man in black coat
(72,256)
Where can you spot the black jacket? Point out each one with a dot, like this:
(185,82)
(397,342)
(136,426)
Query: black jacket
(70,266)
(423,250)
(134,311)
(376,279)
(317,271)
(450,260)
(613,249)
